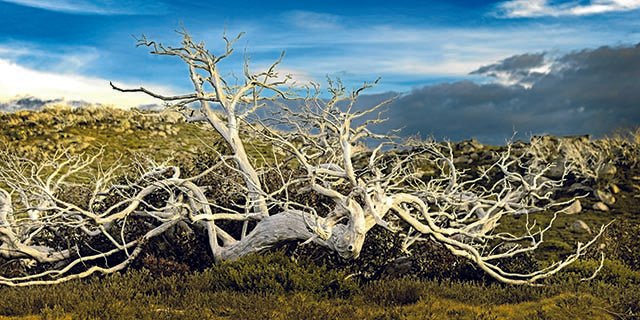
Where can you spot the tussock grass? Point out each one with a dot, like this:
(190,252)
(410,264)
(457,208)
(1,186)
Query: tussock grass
(275,287)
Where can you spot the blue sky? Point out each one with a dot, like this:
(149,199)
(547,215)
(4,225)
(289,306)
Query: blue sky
(72,48)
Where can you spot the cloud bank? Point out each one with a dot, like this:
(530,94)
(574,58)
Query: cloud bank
(20,81)
(584,92)
(541,8)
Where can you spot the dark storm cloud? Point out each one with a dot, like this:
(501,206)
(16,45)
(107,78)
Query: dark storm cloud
(524,69)
(33,103)
(25,103)
(585,92)
(519,63)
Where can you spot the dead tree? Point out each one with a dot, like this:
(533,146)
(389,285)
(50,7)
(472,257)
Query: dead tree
(317,148)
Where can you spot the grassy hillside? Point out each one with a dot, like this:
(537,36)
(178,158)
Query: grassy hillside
(276,286)
(119,132)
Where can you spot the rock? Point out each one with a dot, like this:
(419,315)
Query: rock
(580,226)
(487,156)
(575,207)
(607,171)
(172,117)
(469,146)
(600,206)
(556,171)
(462,159)
(614,189)
(477,145)
(579,187)
(606,197)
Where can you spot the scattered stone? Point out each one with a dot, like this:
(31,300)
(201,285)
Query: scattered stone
(556,171)
(600,206)
(489,155)
(606,197)
(469,146)
(477,145)
(614,189)
(575,207)
(607,171)
(580,226)
(172,117)
(579,187)
(462,159)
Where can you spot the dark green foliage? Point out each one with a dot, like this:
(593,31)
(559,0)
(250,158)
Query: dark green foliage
(144,295)
(381,248)
(394,292)
(382,257)
(276,274)
(623,242)
(164,267)
(120,296)
(613,271)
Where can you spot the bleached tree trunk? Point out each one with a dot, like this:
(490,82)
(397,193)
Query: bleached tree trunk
(318,140)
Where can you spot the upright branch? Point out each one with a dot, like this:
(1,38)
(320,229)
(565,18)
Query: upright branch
(223,105)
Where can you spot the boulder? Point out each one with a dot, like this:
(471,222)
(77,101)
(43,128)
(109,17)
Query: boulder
(600,206)
(575,207)
(606,197)
(614,189)
(580,226)
(469,146)
(556,171)
(579,188)
(462,159)
(607,171)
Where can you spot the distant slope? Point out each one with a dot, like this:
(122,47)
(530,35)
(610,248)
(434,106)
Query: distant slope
(120,132)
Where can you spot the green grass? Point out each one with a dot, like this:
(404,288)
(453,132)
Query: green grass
(257,292)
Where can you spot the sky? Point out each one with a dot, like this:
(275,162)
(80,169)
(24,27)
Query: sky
(460,69)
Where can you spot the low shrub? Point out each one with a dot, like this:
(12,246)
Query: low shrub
(623,243)
(396,292)
(276,273)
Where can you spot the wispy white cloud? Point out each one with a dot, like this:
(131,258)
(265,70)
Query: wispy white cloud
(17,80)
(98,7)
(541,8)
(312,20)
(404,55)
(59,59)
(403,51)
